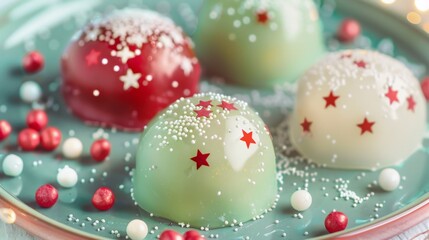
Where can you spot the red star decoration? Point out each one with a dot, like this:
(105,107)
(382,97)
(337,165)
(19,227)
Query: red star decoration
(247,138)
(411,103)
(392,95)
(201,159)
(203,113)
(227,106)
(204,104)
(306,125)
(346,55)
(360,64)
(262,16)
(92,58)
(365,126)
(331,100)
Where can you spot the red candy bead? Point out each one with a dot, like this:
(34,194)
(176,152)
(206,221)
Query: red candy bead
(37,119)
(28,139)
(425,87)
(46,196)
(103,199)
(170,235)
(50,138)
(5,129)
(349,30)
(33,62)
(192,235)
(336,221)
(100,150)
(122,70)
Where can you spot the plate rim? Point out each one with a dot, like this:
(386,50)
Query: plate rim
(402,219)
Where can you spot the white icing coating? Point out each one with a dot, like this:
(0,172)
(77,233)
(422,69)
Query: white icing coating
(72,148)
(67,177)
(358,109)
(12,165)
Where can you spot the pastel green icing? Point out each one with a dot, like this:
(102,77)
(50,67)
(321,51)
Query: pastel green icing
(240,181)
(233,45)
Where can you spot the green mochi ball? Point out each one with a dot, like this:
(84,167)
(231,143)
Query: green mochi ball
(206,160)
(258,43)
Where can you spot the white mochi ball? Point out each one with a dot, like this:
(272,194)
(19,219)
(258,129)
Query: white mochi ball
(358,109)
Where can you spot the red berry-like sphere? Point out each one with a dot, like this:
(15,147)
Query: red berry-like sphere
(100,150)
(425,87)
(33,62)
(349,30)
(50,138)
(46,196)
(103,199)
(5,129)
(336,221)
(192,235)
(37,119)
(28,139)
(122,70)
(170,235)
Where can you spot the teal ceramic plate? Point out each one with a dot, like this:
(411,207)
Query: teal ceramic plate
(47,25)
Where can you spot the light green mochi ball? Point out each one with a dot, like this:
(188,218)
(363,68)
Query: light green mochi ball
(258,43)
(206,160)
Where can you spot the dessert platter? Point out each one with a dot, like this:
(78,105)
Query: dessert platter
(221,119)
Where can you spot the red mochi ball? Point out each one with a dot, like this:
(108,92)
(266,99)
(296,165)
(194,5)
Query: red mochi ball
(121,70)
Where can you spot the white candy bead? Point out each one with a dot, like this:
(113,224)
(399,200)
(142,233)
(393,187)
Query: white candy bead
(137,229)
(12,165)
(30,91)
(72,148)
(389,179)
(67,177)
(301,200)
(7,215)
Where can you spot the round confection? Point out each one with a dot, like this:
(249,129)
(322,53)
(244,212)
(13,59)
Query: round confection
(301,200)
(258,43)
(72,148)
(358,109)
(389,179)
(206,160)
(12,165)
(121,70)
(67,177)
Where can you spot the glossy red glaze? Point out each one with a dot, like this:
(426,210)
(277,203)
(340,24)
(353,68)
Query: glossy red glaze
(100,150)
(336,221)
(160,67)
(37,119)
(33,62)
(50,138)
(103,199)
(170,235)
(28,139)
(46,196)
(5,129)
